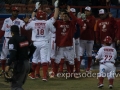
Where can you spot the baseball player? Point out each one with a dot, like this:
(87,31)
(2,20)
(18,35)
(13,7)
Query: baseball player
(8,22)
(40,37)
(87,36)
(76,44)
(106,26)
(64,40)
(106,57)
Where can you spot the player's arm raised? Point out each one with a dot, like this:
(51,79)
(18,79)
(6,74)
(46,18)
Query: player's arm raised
(37,5)
(56,12)
(74,18)
(56,4)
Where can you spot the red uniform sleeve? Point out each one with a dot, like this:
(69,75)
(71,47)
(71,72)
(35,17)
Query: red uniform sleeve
(80,22)
(97,32)
(118,31)
(74,18)
(92,23)
(114,23)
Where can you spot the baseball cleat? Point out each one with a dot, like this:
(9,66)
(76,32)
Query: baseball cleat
(76,76)
(110,86)
(51,74)
(1,73)
(30,76)
(44,79)
(100,85)
(88,71)
(37,76)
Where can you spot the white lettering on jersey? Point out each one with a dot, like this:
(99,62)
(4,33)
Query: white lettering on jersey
(106,53)
(64,29)
(40,27)
(23,44)
(104,25)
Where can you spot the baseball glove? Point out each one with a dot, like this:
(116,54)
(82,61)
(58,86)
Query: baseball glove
(9,75)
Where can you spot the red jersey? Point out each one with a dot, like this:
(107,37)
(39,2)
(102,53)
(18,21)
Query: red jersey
(118,30)
(87,30)
(106,27)
(65,31)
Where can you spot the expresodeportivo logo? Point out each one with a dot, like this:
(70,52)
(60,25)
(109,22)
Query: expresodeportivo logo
(89,75)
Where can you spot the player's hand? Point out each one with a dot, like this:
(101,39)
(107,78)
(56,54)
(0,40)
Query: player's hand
(79,15)
(7,68)
(118,42)
(26,19)
(110,15)
(83,16)
(68,8)
(37,5)
(56,4)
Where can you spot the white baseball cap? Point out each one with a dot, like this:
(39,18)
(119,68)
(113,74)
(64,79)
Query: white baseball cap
(72,10)
(88,8)
(101,11)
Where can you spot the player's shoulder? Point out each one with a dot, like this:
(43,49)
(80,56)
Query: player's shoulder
(7,20)
(19,19)
(101,48)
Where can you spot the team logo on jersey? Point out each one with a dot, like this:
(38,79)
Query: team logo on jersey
(8,26)
(7,21)
(17,23)
(64,29)
(104,26)
(84,26)
(23,44)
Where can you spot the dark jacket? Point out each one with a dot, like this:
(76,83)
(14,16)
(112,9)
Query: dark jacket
(18,48)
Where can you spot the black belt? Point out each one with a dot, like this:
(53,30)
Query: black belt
(106,62)
(7,37)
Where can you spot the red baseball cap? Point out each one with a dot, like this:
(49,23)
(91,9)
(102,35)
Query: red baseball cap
(15,9)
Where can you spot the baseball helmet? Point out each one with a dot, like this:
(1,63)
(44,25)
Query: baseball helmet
(15,9)
(108,40)
(41,15)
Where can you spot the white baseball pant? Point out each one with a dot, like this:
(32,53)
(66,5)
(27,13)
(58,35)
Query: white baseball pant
(107,70)
(41,52)
(67,53)
(86,45)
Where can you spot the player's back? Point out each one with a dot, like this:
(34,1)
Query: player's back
(108,53)
(40,30)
